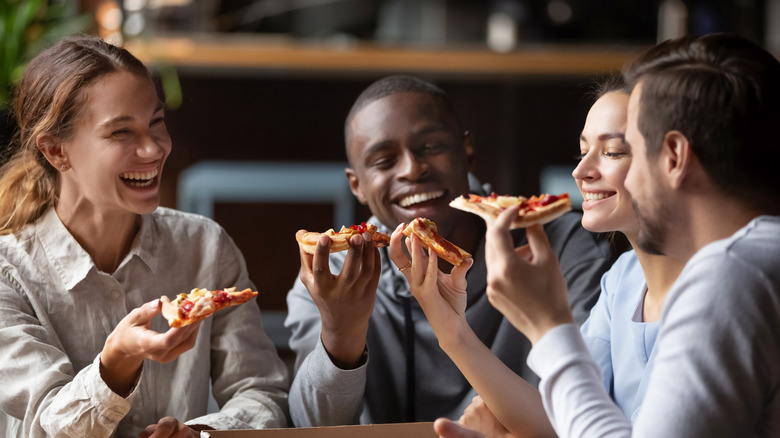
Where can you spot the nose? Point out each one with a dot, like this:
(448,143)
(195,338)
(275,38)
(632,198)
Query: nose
(152,146)
(412,167)
(586,169)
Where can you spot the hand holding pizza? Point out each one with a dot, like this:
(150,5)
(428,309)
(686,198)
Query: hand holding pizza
(132,341)
(346,300)
(525,283)
(441,296)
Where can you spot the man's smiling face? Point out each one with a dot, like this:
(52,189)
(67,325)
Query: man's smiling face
(409,159)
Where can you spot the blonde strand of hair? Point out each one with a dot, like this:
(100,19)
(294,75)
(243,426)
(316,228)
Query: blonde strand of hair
(27,189)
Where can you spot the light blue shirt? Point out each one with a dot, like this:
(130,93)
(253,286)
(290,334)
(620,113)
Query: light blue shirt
(620,343)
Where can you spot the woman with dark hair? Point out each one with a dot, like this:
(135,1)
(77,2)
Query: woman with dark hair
(85,253)
(622,327)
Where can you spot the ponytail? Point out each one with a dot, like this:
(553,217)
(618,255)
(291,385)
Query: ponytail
(28,187)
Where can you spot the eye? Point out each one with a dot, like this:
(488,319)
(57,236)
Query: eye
(122,132)
(433,148)
(615,154)
(383,163)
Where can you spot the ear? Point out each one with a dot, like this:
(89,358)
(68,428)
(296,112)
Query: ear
(51,148)
(677,158)
(354,185)
(468,147)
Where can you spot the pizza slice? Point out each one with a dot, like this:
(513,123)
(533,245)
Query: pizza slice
(426,230)
(534,210)
(307,240)
(188,308)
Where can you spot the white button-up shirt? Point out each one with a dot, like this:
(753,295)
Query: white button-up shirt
(57,309)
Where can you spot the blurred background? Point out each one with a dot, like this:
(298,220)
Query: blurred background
(262,88)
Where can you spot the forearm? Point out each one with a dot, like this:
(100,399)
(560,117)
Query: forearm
(324,395)
(513,401)
(572,389)
(84,406)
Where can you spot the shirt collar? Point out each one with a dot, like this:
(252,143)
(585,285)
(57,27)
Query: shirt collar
(72,263)
(145,242)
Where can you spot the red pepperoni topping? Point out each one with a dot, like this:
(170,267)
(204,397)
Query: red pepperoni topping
(186,307)
(362,228)
(220,296)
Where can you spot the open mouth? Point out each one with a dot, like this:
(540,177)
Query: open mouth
(419,198)
(590,196)
(139,179)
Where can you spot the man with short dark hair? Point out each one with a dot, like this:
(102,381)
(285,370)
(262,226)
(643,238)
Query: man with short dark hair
(365,351)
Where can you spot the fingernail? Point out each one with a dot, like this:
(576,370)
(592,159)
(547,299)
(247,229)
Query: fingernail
(154,304)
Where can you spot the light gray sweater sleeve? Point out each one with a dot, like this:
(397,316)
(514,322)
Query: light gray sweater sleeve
(321,393)
(716,371)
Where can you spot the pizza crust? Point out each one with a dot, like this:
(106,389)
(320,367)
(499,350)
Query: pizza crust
(307,240)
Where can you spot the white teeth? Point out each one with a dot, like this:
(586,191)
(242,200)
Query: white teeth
(595,196)
(418,198)
(141,176)
(139,179)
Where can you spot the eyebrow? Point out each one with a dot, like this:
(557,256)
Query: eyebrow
(121,119)
(607,136)
(378,146)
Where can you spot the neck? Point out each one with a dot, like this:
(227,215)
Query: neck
(105,236)
(708,217)
(660,274)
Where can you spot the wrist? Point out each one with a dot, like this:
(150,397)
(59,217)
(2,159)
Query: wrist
(539,330)
(452,341)
(345,347)
(119,371)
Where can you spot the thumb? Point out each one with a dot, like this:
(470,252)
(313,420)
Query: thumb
(538,242)
(145,313)
(449,429)
(458,273)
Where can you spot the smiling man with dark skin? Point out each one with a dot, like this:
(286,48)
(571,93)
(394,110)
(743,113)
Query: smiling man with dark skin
(365,352)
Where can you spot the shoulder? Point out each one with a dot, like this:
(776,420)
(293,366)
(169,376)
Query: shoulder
(626,264)
(625,274)
(737,275)
(753,251)
(175,223)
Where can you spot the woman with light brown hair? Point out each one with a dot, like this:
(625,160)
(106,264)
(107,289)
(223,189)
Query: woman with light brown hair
(86,252)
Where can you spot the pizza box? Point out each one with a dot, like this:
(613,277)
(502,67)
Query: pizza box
(406,430)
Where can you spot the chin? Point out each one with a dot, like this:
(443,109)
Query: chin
(595,226)
(146,208)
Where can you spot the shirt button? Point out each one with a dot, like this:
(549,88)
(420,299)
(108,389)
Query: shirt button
(116,294)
